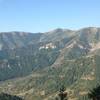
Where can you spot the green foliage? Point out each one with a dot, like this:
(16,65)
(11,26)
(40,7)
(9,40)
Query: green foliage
(4,96)
(95,93)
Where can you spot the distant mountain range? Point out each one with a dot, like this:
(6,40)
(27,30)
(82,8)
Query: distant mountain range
(36,64)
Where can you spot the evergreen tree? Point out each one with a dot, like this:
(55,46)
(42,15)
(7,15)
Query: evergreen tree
(5,96)
(95,93)
(62,94)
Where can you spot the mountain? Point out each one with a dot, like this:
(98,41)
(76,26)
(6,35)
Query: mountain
(21,52)
(13,40)
(40,63)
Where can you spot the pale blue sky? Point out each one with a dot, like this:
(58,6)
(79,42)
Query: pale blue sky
(45,15)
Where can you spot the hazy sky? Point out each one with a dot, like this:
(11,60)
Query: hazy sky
(45,15)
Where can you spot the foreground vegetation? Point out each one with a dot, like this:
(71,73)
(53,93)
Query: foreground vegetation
(4,96)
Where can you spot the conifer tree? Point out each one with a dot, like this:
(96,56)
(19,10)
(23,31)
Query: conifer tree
(95,93)
(62,94)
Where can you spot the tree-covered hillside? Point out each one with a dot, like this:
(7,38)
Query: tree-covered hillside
(60,57)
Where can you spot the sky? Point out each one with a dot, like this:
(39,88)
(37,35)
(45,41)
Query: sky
(45,15)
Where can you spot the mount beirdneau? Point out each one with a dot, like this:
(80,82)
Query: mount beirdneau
(21,53)
(34,65)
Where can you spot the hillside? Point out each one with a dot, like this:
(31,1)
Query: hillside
(21,52)
(38,69)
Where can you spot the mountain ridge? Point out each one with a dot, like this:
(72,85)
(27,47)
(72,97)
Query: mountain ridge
(17,48)
(40,63)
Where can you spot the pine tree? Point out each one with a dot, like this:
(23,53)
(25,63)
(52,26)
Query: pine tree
(62,94)
(95,93)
